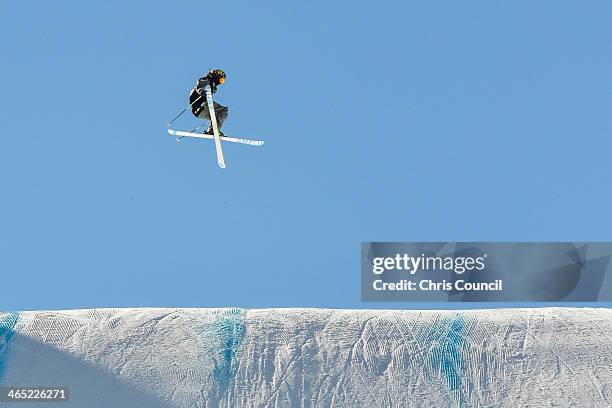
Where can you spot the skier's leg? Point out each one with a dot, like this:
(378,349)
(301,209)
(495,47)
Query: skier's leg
(221,113)
(205,114)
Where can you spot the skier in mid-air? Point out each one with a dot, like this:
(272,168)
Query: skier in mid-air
(197,99)
(216,114)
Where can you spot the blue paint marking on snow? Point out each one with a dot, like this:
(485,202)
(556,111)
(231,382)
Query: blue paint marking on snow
(7,326)
(448,339)
(226,333)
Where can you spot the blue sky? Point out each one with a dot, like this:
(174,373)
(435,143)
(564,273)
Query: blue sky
(390,121)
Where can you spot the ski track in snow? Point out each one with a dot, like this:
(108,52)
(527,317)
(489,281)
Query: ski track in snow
(312,357)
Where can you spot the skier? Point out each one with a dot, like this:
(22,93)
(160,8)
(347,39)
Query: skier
(197,99)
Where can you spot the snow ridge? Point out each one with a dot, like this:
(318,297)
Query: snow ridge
(312,357)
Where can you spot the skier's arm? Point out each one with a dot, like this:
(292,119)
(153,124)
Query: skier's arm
(202,83)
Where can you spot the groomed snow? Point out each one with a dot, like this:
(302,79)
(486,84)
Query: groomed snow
(312,357)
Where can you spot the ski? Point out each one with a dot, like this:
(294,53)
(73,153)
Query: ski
(180,134)
(213,122)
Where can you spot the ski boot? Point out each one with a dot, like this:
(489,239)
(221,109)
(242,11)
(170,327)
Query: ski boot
(210,132)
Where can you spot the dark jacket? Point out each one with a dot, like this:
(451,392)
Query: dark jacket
(197,97)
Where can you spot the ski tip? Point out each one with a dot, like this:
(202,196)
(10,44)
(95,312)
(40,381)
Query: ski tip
(222,165)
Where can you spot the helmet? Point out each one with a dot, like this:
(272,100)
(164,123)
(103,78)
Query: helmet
(217,75)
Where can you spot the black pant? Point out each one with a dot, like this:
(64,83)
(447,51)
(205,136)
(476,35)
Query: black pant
(221,113)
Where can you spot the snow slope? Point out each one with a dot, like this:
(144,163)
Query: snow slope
(312,358)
